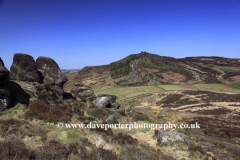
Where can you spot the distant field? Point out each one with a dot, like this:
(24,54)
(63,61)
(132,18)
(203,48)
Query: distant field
(126,92)
(174,87)
(235,85)
(215,88)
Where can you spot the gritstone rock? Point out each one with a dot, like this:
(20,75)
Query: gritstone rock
(51,73)
(4,73)
(102,102)
(24,68)
(113,98)
(82,92)
(172,136)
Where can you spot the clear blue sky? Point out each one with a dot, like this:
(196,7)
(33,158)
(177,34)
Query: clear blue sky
(78,33)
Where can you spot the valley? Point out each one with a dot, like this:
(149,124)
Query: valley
(143,88)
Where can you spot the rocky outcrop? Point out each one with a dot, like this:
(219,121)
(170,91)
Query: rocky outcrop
(82,92)
(4,73)
(5,98)
(51,73)
(135,74)
(10,92)
(24,68)
(102,102)
(172,136)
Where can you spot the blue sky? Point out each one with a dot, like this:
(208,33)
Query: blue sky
(78,33)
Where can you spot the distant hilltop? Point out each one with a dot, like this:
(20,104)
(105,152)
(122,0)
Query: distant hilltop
(70,71)
(151,69)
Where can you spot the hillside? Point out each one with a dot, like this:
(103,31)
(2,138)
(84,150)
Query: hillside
(151,69)
(165,115)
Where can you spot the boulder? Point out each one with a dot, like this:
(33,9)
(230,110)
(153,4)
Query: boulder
(51,73)
(113,98)
(12,93)
(32,90)
(24,68)
(82,92)
(172,136)
(102,102)
(4,73)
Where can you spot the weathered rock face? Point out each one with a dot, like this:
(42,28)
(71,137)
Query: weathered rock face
(24,68)
(5,98)
(82,92)
(51,73)
(102,102)
(113,98)
(4,73)
(135,74)
(172,136)
(12,93)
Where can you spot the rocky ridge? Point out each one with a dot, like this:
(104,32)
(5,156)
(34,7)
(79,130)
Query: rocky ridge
(28,80)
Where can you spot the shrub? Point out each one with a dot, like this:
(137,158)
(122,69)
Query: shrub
(112,119)
(78,111)
(90,99)
(53,150)
(83,100)
(140,153)
(99,113)
(122,113)
(19,127)
(198,148)
(137,116)
(106,154)
(156,133)
(171,98)
(42,97)
(15,149)
(57,115)
(39,110)
(78,104)
(123,139)
(108,132)
(47,86)
(81,115)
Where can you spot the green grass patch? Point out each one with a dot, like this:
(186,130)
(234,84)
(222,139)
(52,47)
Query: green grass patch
(174,87)
(126,92)
(227,68)
(216,88)
(235,85)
